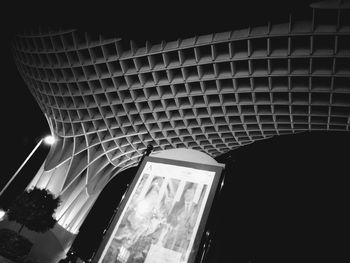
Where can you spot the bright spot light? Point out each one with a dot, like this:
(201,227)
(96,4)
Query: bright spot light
(143,207)
(2,214)
(49,140)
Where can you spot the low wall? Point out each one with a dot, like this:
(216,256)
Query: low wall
(48,247)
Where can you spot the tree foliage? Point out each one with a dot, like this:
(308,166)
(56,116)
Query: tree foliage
(34,209)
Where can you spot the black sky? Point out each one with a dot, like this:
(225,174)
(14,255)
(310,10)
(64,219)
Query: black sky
(284,198)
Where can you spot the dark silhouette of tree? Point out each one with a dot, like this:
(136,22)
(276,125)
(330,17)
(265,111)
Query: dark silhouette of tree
(34,209)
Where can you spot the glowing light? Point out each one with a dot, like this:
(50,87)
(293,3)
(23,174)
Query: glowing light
(2,214)
(143,207)
(49,140)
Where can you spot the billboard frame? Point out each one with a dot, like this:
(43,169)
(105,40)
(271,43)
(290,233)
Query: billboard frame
(218,172)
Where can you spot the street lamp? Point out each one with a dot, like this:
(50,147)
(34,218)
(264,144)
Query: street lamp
(2,214)
(47,140)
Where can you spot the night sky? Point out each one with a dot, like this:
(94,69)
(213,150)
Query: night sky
(284,198)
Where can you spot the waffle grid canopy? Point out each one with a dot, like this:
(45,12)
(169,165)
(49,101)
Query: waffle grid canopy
(107,99)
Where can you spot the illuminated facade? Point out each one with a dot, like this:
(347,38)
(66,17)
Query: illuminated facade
(106,101)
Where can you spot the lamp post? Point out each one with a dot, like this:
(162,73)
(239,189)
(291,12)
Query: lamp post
(48,140)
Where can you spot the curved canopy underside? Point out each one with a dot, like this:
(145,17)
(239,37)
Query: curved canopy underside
(107,100)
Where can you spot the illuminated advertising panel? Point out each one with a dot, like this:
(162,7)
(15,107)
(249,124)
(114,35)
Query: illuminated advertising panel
(162,217)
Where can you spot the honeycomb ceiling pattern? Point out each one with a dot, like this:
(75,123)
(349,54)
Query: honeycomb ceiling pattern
(211,93)
(107,99)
